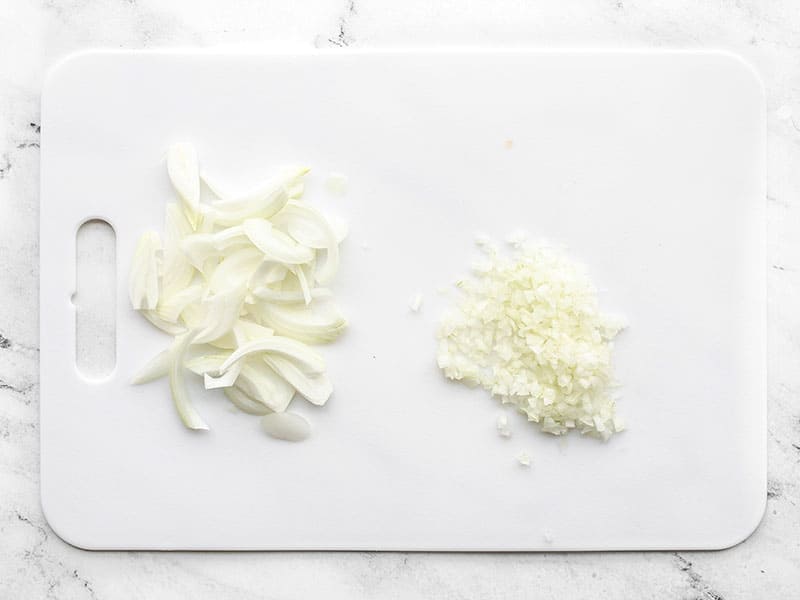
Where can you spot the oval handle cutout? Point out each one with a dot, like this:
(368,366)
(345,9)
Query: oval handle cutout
(95,299)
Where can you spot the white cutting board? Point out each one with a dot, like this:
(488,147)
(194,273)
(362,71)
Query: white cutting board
(649,166)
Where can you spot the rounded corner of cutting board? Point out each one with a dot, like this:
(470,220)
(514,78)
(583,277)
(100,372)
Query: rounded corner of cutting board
(747,73)
(61,524)
(68,66)
(748,524)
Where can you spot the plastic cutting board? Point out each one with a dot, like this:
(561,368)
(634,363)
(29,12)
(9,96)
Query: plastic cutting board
(647,166)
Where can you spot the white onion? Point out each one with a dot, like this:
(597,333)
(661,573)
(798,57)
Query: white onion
(529,330)
(286,426)
(144,280)
(415,302)
(502,426)
(184,174)
(236,279)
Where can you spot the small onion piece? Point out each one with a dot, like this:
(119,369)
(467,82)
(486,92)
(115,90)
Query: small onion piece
(225,380)
(415,302)
(286,426)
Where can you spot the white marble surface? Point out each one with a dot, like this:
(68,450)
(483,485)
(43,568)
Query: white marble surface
(34,563)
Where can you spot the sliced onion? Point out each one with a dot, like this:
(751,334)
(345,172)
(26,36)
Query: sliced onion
(214,187)
(290,296)
(247,331)
(268,273)
(184,173)
(235,270)
(201,247)
(290,427)
(206,363)
(314,388)
(263,202)
(245,403)
(315,324)
(305,358)
(171,307)
(262,384)
(340,228)
(176,271)
(143,287)
(161,323)
(222,312)
(230,267)
(302,278)
(156,368)
(190,417)
(276,245)
(307,225)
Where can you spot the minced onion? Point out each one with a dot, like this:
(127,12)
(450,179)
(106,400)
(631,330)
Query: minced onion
(528,328)
(502,426)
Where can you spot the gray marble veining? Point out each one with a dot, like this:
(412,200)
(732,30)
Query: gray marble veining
(35,563)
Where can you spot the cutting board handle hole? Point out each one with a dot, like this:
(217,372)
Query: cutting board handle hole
(95,299)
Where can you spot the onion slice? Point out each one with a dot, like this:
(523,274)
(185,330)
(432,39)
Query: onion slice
(201,247)
(190,417)
(156,368)
(184,173)
(276,245)
(171,307)
(264,201)
(290,427)
(315,324)
(314,388)
(307,225)
(143,286)
(158,321)
(262,384)
(245,403)
(176,271)
(222,312)
(305,358)
(290,296)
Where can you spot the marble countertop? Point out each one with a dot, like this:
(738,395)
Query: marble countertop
(35,563)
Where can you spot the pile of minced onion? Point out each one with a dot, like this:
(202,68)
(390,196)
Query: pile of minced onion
(239,282)
(528,328)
